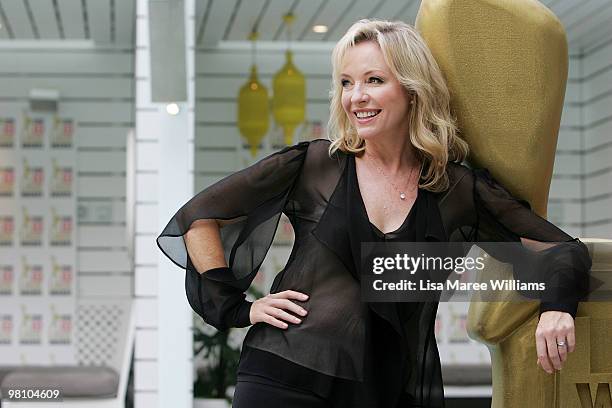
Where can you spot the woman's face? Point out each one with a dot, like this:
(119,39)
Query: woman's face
(375,102)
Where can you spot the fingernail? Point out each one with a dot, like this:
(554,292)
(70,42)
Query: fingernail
(303,312)
(305,296)
(297,320)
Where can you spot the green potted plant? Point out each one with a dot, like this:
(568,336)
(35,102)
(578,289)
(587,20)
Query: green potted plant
(219,353)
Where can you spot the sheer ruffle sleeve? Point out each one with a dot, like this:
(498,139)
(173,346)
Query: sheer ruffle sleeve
(564,266)
(252,200)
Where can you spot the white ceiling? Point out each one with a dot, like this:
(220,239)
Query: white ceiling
(111,22)
(586,21)
(108,22)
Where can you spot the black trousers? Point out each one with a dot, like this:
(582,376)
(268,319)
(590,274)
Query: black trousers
(266,393)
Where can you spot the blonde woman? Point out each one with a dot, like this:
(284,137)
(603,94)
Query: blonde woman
(389,173)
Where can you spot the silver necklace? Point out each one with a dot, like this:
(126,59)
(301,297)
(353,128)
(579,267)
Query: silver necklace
(402,194)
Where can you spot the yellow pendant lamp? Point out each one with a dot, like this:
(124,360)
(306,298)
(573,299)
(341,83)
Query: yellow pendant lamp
(289,85)
(253,107)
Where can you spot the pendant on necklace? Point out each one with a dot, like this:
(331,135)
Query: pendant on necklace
(402,196)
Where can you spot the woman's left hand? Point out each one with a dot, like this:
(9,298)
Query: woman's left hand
(555,337)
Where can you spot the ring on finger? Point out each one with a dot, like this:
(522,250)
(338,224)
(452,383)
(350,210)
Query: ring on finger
(560,343)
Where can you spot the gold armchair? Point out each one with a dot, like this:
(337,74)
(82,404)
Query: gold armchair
(506,66)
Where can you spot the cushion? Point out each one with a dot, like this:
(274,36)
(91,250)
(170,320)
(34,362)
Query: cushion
(73,382)
(466,374)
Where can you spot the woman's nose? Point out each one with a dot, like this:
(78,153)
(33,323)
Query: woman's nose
(359,93)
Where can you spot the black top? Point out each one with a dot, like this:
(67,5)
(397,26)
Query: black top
(381,366)
(314,191)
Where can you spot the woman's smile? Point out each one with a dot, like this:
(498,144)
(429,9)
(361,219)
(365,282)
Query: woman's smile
(365,116)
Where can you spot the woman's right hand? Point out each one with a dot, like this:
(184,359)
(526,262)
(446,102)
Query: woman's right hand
(272,308)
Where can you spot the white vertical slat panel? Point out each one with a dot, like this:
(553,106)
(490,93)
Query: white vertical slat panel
(224,87)
(145,376)
(99,20)
(44,17)
(598,61)
(358,10)
(124,22)
(146,314)
(598,143)
(599,159)
(330,12)
(599,231)
(569,140)
(99,112)
(564,189)
(268,62)
(598,111)
(598,184)
(106,136)
(102,236)
(66,61)
(101,286)
(567,164)
(574,69)
(214,112)
(220,12)
(146,399)
(72,87)
(145,282)
(272,20)
(245,19)
(599,37)
(163,356)
(146,345)
(597,137)
(71,12)
(304,13)
(18,19)
(104,186)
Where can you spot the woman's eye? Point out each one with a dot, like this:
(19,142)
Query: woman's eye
(376,80)
(345,83)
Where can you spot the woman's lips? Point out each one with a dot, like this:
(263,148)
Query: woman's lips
(365,120)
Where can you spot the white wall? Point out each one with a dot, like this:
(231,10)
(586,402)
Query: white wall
(564,205)
(164,181)
(96,89)
(597,149)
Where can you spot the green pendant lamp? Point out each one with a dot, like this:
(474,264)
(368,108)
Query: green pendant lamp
(253,107)
(289,85)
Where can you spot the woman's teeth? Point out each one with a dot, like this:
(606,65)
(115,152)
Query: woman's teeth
(363,115)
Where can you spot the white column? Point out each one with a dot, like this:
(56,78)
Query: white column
(164,150)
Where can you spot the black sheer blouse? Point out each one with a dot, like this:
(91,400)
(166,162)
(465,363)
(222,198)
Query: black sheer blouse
(318,195)
(383,375)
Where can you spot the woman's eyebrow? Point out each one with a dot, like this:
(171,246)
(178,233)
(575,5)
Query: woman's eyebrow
(368,72)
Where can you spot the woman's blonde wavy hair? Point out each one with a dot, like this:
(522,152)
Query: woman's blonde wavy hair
(433,130)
